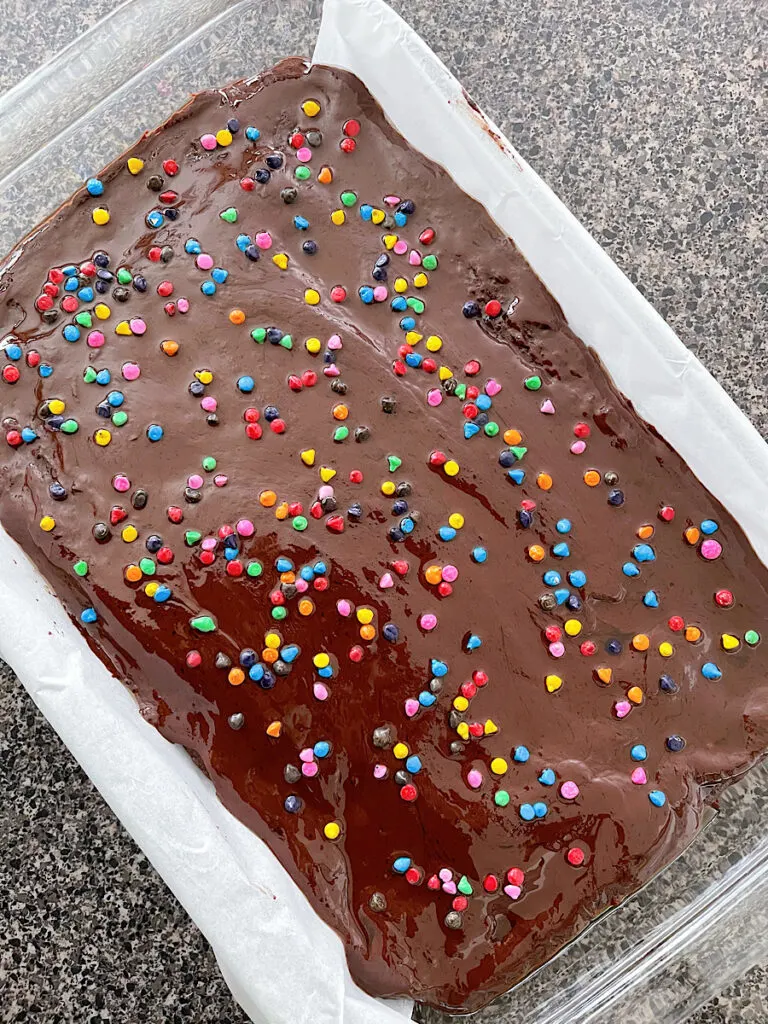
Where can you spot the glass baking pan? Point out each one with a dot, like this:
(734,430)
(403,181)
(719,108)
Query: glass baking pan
(703,921)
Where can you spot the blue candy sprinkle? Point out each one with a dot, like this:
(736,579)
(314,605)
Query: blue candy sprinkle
(709,526)
(470,429)
(643,553)
(400,219)
(219,275)
(208,288)
(325,673)
(103,377)
(540,809)
(577,578)
(252,134)
(45,369)
(521,754)
(413,764)
(162,594)
(85,295)
(547,777)
(28,435)
(230,553)
(527,813)
(401,865)
(322,748)
(516,475)
(13,351)
(71,285)
(319,568)
(638,752)
(69,271)
(366,211)
(479,555)
(290,653)
(398,304)
(242,242)
(630,569)
(483,402)
(154,218)
(651,599)
(408,323)
(300,223)
(306,572)
(154,432)
(115,399)
(71,332)
(94,187)
(193,247)
(414,359)
(551,578)
(427,699)
(446,533)
(657,798)
(407,525)
(438,668)
(366,294)
(473,643)
(256,672)
(283,564)
(88,615)
(563,526)
(710,671)
(561,596)
(246,384)
(561,550)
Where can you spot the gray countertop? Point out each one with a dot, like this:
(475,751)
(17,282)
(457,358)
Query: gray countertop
(647,117)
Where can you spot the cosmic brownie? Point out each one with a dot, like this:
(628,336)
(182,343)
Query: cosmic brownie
(313,460)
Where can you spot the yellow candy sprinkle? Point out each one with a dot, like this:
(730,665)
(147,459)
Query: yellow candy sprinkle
(444,373)
(490,727)
(102,438)
(401,285)
(413,337)
(313,346)
(102,311)
(729,642)
(151,588)
(224,137)
(123,328)
(311,108)
(273,641)
(553,683)
(326,474)
(434,343)
(499,766)
(456,520)
(100,215)
(204,376)
(56,406)
(129,534)
(451,468)
(462,729)
(280,259)
(338,217)
(364,615)
(308,456)
(332,830)
(460,703)
(400,751)
(389,241)
(311,297)
(321,660)
(666,650)
(572,627)
(47,523)
(641,642)
(135,165)
(388,487)
(377,216)
(420,281)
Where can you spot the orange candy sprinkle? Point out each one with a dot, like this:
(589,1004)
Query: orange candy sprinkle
(512,436)
(640,642)
(281,512)
(544,481)
(645,532)
(536,553)
(635,694)
(169,347)
(340,412)
(692,634)
(237,316)
(692,535)
(287,577)
(306,607)
(274,729)
(325,177)
(133,573)
(270,655)
(236,676)
(433,574)
(591,478)
(367,632)
(267,499)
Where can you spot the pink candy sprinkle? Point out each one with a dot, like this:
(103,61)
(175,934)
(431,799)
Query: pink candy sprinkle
(131,371)
(400,247)
(380,293)
(343,607)
(569,791)
(557,649)
(450,573)
(208,141)
(711,549)
(391,200)
(428,621)
(137,325)
(445,874)
(513,891)
(195,481)
(121,483)
(95,339)
(182,305)
(264,240)
(320,691)
(414,258)
(622,708)
(208,403)
(474,778)
(304,154)
(204,261)
(578,447)
(309,769)
(492,387)
(334,343)
(386,581)
(639,777)
(245,527)
(208,544)
(307,754)
(301,586)
(434,397)
(324,491)
(380,771)
(547,407)
(221,480)
(450,888)
(411,707)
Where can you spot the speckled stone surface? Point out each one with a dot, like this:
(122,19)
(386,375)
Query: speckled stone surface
(648,119)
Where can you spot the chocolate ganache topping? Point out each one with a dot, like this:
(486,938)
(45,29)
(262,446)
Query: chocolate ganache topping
(314,461)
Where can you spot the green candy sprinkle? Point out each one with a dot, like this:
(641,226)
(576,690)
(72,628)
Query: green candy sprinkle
(286,341)
(417,305)
(461,392)
(192,537)
(90,375)
(124,276)
(394,462)
(279,613)
(259,334)
(349,198)
(229,215)
(518,451)
(491,429)
(464,886)
(147,566)
(84,319)
(429,263)
(300,523)
(752,637)
(341,434)
(209,463)
(303,173)
(119,418)
(81,568)
(532,383)
(501,798)
(203,624)
(254,569)
(70,426)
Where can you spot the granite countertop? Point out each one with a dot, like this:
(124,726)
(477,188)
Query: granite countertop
(647,118)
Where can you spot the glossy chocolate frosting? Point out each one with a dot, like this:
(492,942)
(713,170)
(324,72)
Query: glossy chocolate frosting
(611,743)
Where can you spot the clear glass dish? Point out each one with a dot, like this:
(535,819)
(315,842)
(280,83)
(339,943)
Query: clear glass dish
(704,920)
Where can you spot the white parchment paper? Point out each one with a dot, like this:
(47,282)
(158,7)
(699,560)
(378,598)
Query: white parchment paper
(283,964)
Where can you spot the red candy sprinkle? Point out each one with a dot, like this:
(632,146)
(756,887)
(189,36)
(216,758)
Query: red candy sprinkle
(175,514)
(724,598)
(10,374)
(155,254)
(588,648)
(88,268)
(165,288)
(479,678)
(437,458)
(490,883)
(351,128)
(294,383)
(207,557)
(400,368)
(429,366)
(413,875)
(55,275)
(277,426)
(575,856)
(676,623)
(476,729)
(468,690)
(165,556)
(247,184)
(347,145)
(553,634)
(251,415)
(427,236)
(234,568)
(471,368)
(169,197)
(296,140)
(33,358)
(444,589)
(460,903)
(253,431)
(309,378)
(408,792)
(321,583)
(515,876)
(170,167)
(433,882)
(295,508)
(335,524)
(69,303)
(194,659)
(493,308)
(170,308)
(470,411)
(44,302)
(582,430)
(338,294)
(50,289)
(355,476)
(14,438)
(472,392)
(356,653)
(666,513)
